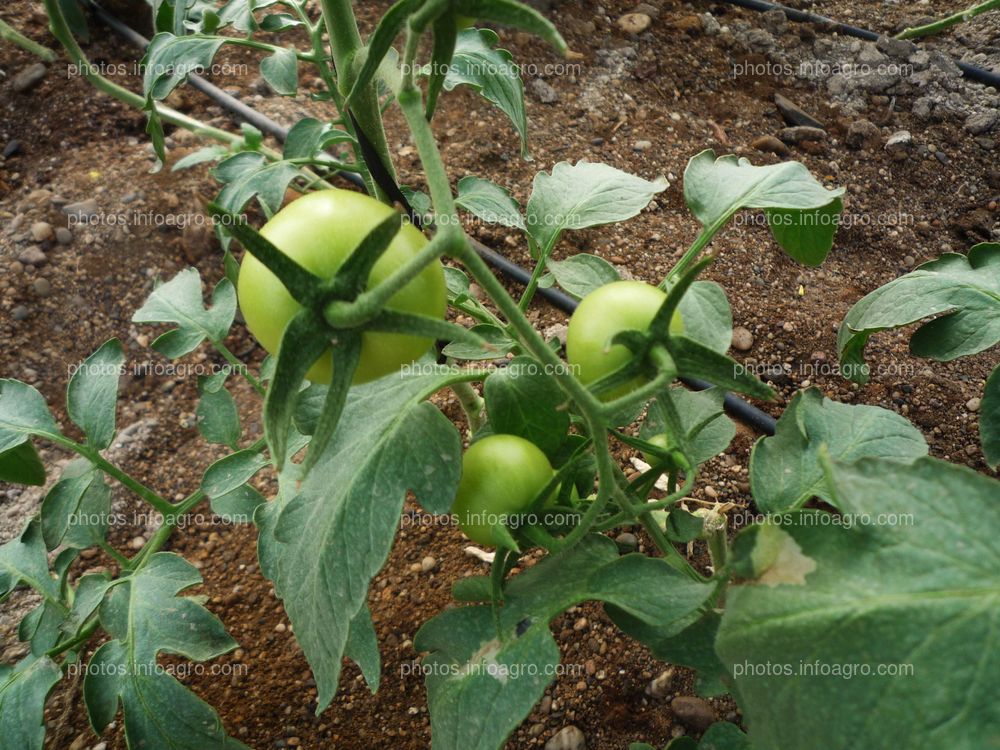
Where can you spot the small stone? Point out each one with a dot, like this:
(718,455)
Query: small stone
(627,542)
(742,339)
(801,133)
(28,78)
(971,450)
(661,686)
(580,624)
(543,91)
(863,134)
(137,542)
(19,313)
(642,145)
(64,236)
(973,404)
(280,627)
(32,256)
(775,21)
(898,48)
(899,145)
(650,10)
(81,210)
(909,260)
(428,564)
(768,144)
(635,23)
(794,114)
(567,738)
(982,122)
(693,712)
(42,287)
(12,148)
(41,231)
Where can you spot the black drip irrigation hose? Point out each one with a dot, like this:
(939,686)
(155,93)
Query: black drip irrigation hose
(736,407)
(973,72)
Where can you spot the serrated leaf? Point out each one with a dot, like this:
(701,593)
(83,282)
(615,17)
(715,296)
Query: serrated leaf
(482,682)
(228,473)
(218,417)
(21,464)
(786,469)
(250,175)
(23,560)
(582,273)
(76,510)
(275,22)
(491,71)
(964,291)
(513,13)
(170,59)
(23,690)
(92,394)
(202,155)
(145,617)
(488,201)
(581,195)
(179,301)
(694,360)
(322,546)
(281,71)
(900,605)
(23,412)
(239,14)
(362,648)
(500,344)
(523,399)
(799,207)
(458,283)
(238,505)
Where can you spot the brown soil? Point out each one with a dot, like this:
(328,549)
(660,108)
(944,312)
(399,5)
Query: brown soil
(678,94)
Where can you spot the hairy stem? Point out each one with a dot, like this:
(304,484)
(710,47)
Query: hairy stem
(952,20)
(10,34)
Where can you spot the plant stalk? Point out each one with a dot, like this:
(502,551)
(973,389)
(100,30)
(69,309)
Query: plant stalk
(952,20)
(10,34)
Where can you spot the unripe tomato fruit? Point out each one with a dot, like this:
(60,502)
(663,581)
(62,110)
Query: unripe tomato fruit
(659,441)
(319,231)
(619,306)
(501,474)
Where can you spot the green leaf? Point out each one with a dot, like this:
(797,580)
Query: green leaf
(581,195)
(308,137)
(23,690)
(989,420)
(250,175)
(482,682)
(228,473)
(380,43)
(23,412)
(786,469)
(720,736)
(499,344)
(76,510)
(275,22)
(75,19)
(963,290)
(179,301)
(362,648)
(202,155)
(170,59)
(281,71)
(695,360)
(144,617)
(488,201)
(491,71)
(23,560)
(93,392)
(707,316)
(218,417)
(458,283)
(799,207)
(512,13)
(322,546)
(238,505)
(523,399)
(897,609)
(707,429)
(22,465)
(582,273)
(90,591)
(445,36)
(239,14)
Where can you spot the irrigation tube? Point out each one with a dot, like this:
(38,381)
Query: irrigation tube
(736,407)
(969,70)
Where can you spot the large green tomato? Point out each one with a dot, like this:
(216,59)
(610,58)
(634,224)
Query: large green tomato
(619,306)
(319,231)
(501,474)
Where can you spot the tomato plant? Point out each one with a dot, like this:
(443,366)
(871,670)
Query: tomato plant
(501,475)
(346,294)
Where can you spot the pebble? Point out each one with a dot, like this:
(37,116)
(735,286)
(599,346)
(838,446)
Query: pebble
(982,122)
(642,145)
(32,256)
(800,133)
(909,260)
(19,313)
(64,236)
(634,23)
(793,114)
(768,144)
(13,147)
(428,564)
(42,287)
(28,78)
(661,685)
(693,712)
(41,231)
(543,91)
(863,134)
(899,145)
(567,738)
(627,542)
(973,404)
(137,542)
(81,209)
(742,339)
